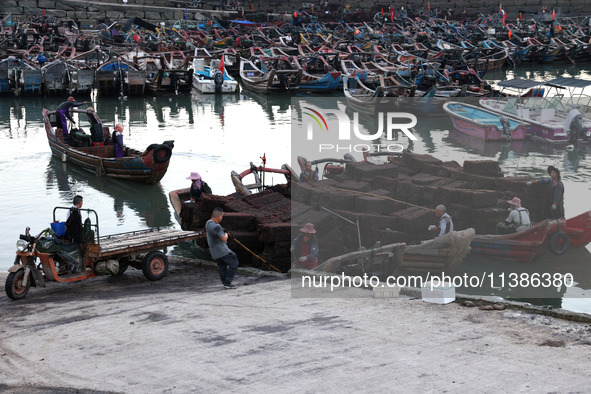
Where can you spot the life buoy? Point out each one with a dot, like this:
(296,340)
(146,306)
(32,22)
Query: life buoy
(558,243)
(162,153)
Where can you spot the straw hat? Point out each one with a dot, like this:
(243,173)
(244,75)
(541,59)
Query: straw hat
(308,229)
(194,176)
(516,202)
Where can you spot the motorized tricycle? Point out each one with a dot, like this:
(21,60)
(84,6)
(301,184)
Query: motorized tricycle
(48,256)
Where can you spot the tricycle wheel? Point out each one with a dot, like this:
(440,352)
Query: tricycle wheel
(14,285)
(155,265)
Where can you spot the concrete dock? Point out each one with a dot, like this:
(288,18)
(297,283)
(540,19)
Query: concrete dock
(187,334)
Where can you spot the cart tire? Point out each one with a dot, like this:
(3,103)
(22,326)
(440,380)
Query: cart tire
(13,285)
(155,265)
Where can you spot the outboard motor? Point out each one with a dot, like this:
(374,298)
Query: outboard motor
(506,127)
(574,123)
(218,79)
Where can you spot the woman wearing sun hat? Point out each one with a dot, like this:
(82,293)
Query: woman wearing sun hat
(305,247)
(196,188)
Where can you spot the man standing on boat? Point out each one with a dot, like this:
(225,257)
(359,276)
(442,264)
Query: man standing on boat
(217,240)
(63,112)
(555,193)
(446,225)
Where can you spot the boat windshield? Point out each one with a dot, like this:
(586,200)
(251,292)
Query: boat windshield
(510,106)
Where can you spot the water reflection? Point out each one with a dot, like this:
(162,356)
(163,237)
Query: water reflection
(486,148)
(148,202)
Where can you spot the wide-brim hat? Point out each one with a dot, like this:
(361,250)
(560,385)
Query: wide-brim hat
(308,229)
(194,176)
(516,201)
(552,168)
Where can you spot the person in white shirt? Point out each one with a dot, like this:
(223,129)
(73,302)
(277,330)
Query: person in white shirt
(518,219)
(446,225)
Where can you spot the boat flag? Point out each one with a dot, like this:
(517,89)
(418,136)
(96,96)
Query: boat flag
(553,14)
(221,67)
(382,12)
(500,9)
(429,5)
(392,14)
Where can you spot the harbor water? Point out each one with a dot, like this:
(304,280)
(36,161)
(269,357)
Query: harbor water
(215,135)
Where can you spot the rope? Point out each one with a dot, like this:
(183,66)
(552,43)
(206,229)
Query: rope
(100,168)
(385,198)
(253,253)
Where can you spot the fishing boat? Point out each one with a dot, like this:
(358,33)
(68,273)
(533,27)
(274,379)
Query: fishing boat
(259,222)
(317,75)
(521,246)
(270,75)
(578,229)
(95,152)
(120,77)
(213,78)
(64,77)
(379,261)
(438,255)
(19,76)
(547,115)
(483,124)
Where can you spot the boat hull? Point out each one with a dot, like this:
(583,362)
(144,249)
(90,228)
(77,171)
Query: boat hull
(520,246)
(482,124)
(147,167)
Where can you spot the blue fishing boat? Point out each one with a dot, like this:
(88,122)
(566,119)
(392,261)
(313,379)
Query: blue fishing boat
(19,76)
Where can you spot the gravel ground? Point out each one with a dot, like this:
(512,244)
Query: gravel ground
(186,334)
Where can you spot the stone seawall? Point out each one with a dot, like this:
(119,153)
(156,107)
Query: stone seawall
(89,12)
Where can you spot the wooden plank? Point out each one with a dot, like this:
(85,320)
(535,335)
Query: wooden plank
(143,240)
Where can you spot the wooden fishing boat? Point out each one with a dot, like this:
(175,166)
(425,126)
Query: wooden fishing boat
(520,246)
(317,74)
(120,77)
(438,255)
(96,152)
(380,261)
(259,222)
(19,76)
(483,124)
(270,75)
(578,229)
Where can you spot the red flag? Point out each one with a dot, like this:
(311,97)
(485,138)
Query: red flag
(392,13)
(382,12)
(553,14)
(429,5)
(221,67)
(500,9)
(44,12)
(520,16)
